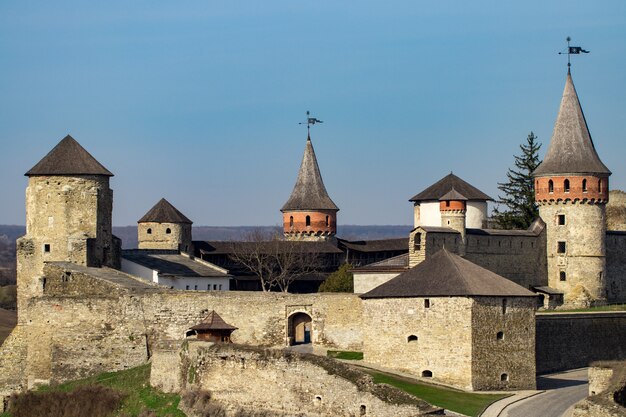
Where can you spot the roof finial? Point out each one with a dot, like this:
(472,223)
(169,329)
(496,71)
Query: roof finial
(571,50)
(309,121)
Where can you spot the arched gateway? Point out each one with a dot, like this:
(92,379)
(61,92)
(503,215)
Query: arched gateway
(299,325)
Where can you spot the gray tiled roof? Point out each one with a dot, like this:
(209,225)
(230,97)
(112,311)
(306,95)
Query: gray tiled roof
(164,212)
(68,158)
(452,195)
(228,247)
(309,193)
(376,245)
(447,184)
(397,263)
(171,263)
(447,275)
(571,149)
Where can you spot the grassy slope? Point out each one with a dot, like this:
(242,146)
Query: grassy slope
(135,384)
(8,319)
(462,402)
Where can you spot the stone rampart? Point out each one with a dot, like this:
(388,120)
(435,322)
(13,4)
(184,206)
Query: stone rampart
(115,321)
(283,383)
(575,340)
(607,391)
(616,266)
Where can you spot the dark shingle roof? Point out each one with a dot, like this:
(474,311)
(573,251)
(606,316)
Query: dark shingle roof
(571,149)
(213,322)
(171,263)
(377,245)
(453,195)
(164,212)
(225,247)
(447,275)
(396,264)
(447,184)
(309,193)
(68,158)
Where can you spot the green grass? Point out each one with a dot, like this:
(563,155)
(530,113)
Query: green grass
(614,307)
(135,384)
(344,354)
(459,401)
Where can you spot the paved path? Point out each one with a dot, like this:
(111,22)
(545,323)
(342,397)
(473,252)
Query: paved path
(562,391)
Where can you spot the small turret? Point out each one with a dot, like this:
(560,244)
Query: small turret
(309,214)
(452,207)
(164,227)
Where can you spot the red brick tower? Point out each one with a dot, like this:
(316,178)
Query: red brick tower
(309,214)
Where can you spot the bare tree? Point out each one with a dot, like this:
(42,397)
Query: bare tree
(275,261)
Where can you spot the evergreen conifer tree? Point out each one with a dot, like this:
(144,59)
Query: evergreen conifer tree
(519,192)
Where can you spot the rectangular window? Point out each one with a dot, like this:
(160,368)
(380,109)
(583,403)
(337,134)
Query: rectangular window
(215,286)
(561,247)
(417,241)
(208,287)
(186,287)
(561,218)
(195,287)
(562,276)
(426,303)
(46,248)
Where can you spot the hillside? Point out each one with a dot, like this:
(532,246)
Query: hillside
(8,319)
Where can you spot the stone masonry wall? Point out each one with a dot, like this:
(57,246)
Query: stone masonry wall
(522,259)
(616,267)
(283,383)
(179,236)
(404,334)
(574,340)
(584,260)
(67,219)
(71,335)
(506,362)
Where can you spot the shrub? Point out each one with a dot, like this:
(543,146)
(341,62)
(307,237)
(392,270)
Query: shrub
(339,281)
(89,400)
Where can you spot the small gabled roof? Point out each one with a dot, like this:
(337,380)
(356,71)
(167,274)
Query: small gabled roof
(164,212)
(447,275)
(446,185)
(213,322)
(571,149)
(453,195)
(68,158)
(309,193)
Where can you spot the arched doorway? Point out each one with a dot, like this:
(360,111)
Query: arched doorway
(299,329)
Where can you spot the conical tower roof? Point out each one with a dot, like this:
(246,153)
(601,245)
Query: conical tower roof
(450,182)
(571,149)
(309,193)
(68,158)
(164,212)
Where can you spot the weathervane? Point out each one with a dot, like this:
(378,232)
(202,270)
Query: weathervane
(309,121)
(571,50)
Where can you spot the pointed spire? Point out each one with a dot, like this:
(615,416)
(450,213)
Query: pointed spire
(571,149)
(164,212)
(68,158)
(309,193)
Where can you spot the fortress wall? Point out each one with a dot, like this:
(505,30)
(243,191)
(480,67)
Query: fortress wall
(519,258)
(574,340)
(289,384)
(616,267)
(71,335)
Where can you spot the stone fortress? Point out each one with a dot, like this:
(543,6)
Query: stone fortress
(458,308)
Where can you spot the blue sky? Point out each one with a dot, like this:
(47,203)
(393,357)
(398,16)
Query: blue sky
(199,102)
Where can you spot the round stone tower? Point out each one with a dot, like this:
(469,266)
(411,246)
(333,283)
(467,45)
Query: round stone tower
(452,207)
(68,217)
(572,189)
(309,214)
(164,227)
